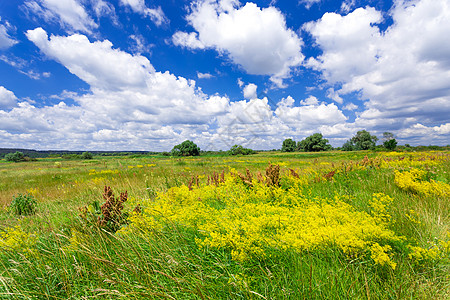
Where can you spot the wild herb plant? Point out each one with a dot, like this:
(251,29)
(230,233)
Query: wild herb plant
(23,205)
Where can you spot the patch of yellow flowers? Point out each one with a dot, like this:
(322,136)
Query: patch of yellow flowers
(17,240)
(413,181)
(251,219)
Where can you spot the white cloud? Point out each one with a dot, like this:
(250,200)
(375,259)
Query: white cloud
(309,115)
(309,3)
(204,75)
(350,106)
(403,73)
(311,100)
(6,40)
(70,13)
(102,8)
(250,91)
(155,14)
(188,40)
(7,99)
(98,64)
(257,39)
(334,95)
(139,44)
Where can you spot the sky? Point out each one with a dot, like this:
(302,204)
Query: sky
(146,75)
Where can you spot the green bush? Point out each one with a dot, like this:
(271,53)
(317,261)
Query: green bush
(289,145)
(239,150)
(87,155)
(23,205)
(15,157)
(314,143)
(186,148)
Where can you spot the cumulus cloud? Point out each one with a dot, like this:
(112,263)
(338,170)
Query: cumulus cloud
(250,91)
(309,114)
(69,13)
(401,73)
(146,110)
(98,64)
(257,39)
(7,99)
(155,14)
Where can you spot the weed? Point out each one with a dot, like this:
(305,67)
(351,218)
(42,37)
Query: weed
(23,205)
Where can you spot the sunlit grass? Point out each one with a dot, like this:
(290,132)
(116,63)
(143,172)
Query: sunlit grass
(65,258)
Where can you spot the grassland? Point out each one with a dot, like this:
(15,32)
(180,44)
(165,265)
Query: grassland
(332,225)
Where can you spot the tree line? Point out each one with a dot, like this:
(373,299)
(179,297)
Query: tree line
(363,140)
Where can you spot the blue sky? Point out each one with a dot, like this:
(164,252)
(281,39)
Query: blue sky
(147,75)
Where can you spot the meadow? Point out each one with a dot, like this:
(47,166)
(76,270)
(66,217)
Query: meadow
(328,225)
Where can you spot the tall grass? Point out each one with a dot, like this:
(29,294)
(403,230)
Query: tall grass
(68,259)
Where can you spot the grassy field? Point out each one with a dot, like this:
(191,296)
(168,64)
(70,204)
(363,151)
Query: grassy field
(331,225)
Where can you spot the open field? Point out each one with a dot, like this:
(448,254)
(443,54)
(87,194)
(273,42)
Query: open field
(330,225)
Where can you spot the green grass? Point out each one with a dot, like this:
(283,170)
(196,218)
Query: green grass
(169,263)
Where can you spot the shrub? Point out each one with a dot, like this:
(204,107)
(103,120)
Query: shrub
(239,150)
(87,155)
(186,148)
(15,157)
(23,205)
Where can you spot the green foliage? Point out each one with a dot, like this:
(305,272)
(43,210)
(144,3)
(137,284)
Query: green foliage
(15,157)
(348,146)
(23,205)
(363,140)
(87,155)
(390,144)
(186,148)
(239,150)
(289,145)
(314,143)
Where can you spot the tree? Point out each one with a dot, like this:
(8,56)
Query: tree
(186,148)
(86,155)
(238,149)
(389,142)
(348,146)
(15,157)
(363,140)
(314,143)
(289,145)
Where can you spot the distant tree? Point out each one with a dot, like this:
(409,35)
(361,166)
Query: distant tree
(239,150)
(348,146)
(86,155)
(289,145)
(387,136)
(389,142)
(314,143)
(186,148)
(15,157)
(363,140)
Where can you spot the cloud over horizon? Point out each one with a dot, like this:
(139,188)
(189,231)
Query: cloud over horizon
(263,75)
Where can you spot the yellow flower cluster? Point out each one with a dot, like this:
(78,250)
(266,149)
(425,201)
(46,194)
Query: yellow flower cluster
(102,172)
(251,218)
(400,160)
(15,239)
(412,181)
